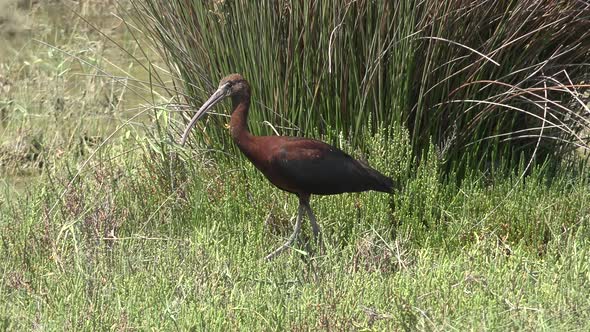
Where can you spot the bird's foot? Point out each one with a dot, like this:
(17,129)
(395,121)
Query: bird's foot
(277,252)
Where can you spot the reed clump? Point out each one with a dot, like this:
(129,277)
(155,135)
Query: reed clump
(483,80)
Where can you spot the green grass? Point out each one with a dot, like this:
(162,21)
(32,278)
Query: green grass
(59,92)
(148,236)
(124,251)
(477,80)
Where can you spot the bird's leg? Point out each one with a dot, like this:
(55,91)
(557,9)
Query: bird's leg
(317,234)
(304,243)
(293,236)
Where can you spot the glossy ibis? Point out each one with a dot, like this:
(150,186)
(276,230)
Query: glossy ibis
(294,164)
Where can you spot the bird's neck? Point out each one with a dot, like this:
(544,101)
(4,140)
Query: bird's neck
(238,124)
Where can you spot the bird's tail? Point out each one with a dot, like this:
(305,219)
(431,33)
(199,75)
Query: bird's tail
(381,182)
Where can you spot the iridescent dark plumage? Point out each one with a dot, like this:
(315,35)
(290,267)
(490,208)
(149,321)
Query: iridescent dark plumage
(297,165)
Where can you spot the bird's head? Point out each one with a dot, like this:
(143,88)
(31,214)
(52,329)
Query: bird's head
(233,85)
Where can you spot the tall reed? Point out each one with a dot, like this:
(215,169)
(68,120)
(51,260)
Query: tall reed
(483,80)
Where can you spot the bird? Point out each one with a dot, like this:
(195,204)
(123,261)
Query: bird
(297,165)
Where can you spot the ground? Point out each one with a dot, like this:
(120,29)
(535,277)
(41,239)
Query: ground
(103,228)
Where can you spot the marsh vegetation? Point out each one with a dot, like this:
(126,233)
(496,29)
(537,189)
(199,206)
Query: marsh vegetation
(106,223)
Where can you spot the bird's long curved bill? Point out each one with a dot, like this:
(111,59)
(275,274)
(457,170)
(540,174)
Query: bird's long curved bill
(214,99)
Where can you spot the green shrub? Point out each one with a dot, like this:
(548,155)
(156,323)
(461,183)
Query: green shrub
(479,79)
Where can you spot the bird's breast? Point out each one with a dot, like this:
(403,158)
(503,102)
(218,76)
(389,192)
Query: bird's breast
(262,151)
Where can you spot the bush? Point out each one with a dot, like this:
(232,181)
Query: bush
(484,80)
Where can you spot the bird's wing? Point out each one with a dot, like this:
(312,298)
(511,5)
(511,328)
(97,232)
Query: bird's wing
(315,167)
